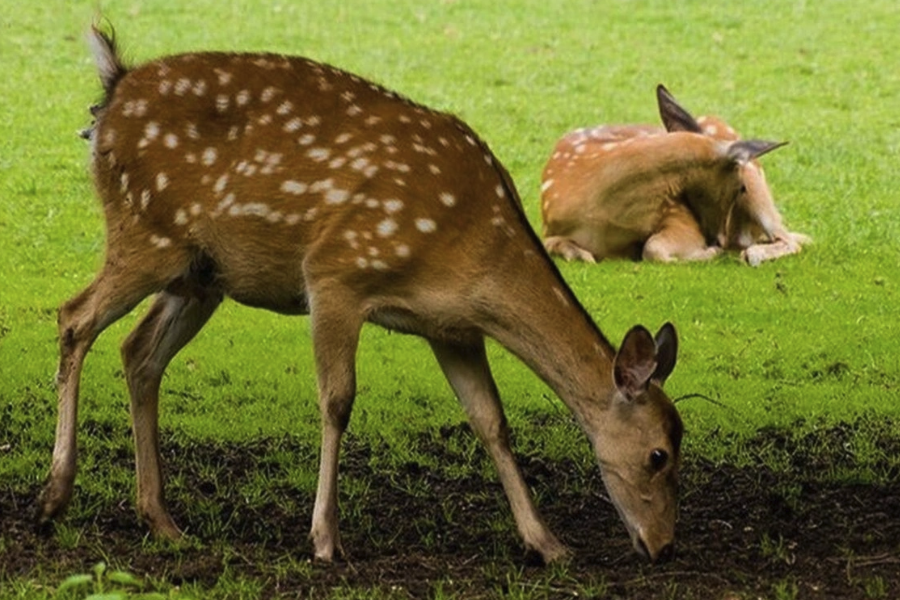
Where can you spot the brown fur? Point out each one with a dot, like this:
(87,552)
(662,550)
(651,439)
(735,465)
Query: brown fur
(293,186)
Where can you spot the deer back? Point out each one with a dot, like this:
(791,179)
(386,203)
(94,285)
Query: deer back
(279,169)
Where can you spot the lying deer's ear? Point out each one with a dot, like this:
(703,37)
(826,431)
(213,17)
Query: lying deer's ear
(666,353)
(635,362)
(673,115)
(743,151)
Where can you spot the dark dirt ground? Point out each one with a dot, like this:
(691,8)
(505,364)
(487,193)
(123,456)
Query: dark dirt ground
(743,532)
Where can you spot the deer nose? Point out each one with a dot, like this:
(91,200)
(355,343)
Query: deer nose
(666,553)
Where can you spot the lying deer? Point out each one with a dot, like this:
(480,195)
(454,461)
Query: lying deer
(686,192)
(293,186)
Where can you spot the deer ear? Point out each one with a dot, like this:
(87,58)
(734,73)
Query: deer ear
(673,115)
(666,353)
(635,362)
(743,151)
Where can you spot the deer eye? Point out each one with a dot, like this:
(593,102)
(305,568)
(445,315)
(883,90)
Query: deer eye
(658,459)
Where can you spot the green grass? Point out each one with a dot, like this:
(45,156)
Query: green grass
(803,342)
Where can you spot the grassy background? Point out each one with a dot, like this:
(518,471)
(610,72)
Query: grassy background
(809,339)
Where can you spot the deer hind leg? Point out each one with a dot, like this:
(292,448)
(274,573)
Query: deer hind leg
(678,238)
(466,368)
(568,249)
(335,326)
(114,293)
(175,317)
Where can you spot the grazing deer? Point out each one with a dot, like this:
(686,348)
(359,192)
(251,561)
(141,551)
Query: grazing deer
(686,192)
(293,186)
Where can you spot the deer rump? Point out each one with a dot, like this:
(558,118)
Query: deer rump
(687,191)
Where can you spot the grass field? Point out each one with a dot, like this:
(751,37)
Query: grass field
(792,349)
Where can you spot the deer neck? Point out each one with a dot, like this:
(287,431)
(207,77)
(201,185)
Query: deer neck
(543,324)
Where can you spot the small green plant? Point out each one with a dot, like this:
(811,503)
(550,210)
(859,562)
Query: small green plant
(777,549)
(875,587)
(785,590)
(105,584)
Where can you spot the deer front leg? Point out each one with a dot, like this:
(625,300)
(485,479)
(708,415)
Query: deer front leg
(468,372)
(335,334)
(678,238)
(173,320)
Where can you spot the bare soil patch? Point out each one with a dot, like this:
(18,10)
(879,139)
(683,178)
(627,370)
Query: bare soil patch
(744,532)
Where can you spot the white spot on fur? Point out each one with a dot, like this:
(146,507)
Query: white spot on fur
(268,94)
(448,199)
(435,170)
(242,98)
(294,187)
(386,228)
(221,182)
(182,86)
(124,182)
(170,140)
(402,250)
(359,164)
(501,193)
(293,125)
(145,199)
(306,139)
(162,181)
(343,138)
(285,108)
(319,154)
(336,196)
(224,77)
(151,130)
(426,225)
(546,185)
(181,217)
(226,202)
(222,102)
(160,242)
(392,206)
(322,185)
(209,156)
